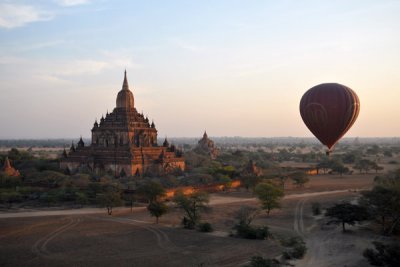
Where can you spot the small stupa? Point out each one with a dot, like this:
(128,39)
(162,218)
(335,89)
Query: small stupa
(9,169)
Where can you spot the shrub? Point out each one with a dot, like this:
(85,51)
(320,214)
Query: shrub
(188,224)
(205,227)
(250,232)
(9,197)
(258,261)
(316,208)
(383,254)
(295,248)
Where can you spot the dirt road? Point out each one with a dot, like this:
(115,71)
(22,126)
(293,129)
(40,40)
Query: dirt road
(214,200)
(41,213)
(327,246)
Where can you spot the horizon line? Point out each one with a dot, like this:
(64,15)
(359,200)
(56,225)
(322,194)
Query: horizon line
(220,136)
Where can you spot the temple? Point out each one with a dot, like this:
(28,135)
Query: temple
(8,169)
(207,146)
(124,143)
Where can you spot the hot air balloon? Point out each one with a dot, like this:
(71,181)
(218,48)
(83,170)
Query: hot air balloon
(329,110)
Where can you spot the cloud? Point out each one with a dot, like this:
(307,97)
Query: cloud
(61,71)
(15,15)
(82,66)
(41,45)
(119,58)
(65,70)
(11,60)
(72,2)
(186,45)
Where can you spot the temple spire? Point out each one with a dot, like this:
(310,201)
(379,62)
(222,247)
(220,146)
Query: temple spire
(125,85)
(166,143)
(125,97)
(7,163)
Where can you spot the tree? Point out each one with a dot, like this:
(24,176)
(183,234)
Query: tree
(249,181)
(81,198)
(157,209)
(269,195)
(9,181)
(299,178)
(338,167)
(192,205)
(364,165)
(388,153)
(80,180)
(18,155)
(49,179)
(374,150)
(9,197)
(324,164)
(225,181)
(384,255)
(351,157)
(94,188)
(109,200)
(151,190)
(49,198)
(383,202)
(246,214)
(282,180)
(376,167)
(228,170)
(391,179)
(343,213)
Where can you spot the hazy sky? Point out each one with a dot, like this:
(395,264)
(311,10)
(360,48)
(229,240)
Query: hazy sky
(235,68)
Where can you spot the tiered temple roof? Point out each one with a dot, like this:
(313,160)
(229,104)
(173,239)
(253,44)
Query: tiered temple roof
(124,141)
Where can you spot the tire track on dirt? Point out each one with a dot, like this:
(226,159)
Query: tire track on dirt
(24,230)
(163,241)
(239,256)
(315,243)
(316,247)
(40,246)
(298,224)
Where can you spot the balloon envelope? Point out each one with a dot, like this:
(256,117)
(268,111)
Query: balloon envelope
(329,110)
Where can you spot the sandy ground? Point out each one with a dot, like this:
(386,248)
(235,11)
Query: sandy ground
(89,237)
(122,240)
(327,244)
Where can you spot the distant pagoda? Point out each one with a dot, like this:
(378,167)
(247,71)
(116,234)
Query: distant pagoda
(9,170)
(123,143)
(207,146)
(252,169)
